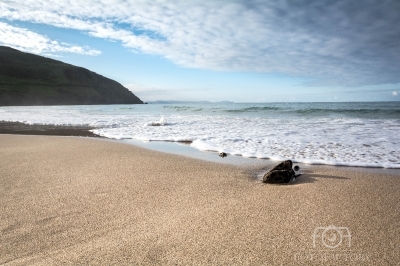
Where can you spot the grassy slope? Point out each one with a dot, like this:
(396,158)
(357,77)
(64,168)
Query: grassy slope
(27,79)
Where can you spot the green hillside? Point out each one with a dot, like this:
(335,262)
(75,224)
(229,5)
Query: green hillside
(28,79)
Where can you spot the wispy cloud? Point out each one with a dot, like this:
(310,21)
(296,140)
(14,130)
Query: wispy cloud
(331,42)
(29,41)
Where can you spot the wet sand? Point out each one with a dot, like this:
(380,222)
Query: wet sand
(75,200)
(53,130)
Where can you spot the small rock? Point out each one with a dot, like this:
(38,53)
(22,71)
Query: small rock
(222,154)
(282,173)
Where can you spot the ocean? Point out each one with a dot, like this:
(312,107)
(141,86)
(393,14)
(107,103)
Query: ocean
(362,134)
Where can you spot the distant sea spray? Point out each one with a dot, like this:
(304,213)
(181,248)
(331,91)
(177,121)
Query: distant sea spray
(353,134)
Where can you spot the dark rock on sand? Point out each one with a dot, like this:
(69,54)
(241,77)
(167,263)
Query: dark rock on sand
(282,173)
(285,165)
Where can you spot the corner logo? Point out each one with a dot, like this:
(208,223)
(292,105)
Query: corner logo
(329,239)
(332,236)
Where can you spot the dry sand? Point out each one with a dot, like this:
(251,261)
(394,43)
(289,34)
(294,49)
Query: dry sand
(75,200)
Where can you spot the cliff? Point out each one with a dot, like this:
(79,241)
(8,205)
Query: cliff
(28,79)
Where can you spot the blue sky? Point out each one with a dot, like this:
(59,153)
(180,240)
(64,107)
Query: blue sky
(242,51)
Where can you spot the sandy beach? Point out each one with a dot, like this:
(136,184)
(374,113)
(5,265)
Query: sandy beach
(87,201)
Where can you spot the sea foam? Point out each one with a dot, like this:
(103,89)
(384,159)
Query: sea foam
(274,132)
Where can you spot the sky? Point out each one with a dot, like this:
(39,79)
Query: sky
(241,51)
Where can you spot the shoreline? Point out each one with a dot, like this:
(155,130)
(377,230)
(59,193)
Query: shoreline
(74,200)
(254,165)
